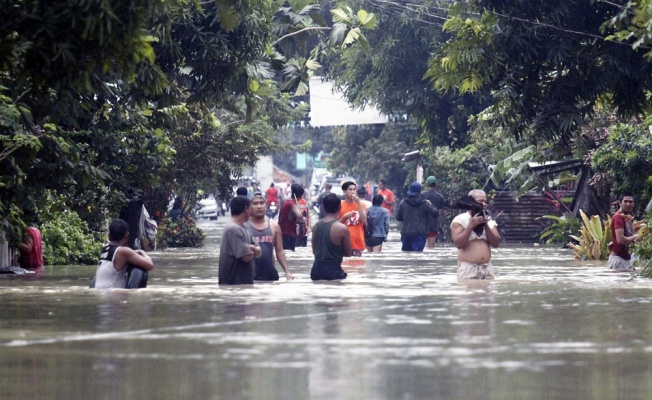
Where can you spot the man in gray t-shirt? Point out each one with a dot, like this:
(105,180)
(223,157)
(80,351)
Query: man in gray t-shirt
(238,249)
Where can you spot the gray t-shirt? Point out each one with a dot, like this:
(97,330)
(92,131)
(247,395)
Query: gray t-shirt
(235,245)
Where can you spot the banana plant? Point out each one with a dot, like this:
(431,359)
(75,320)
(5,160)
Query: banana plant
(593,240)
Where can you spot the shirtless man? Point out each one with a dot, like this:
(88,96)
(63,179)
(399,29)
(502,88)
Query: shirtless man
(267,234)
(473,248)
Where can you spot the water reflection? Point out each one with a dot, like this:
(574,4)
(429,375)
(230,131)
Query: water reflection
(400,327)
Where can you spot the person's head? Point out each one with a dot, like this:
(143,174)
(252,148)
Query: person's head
(257,205)
(241,191)
(332,203)
(415,189)
(431,182)
(349,189)
(480,196)
(382,184)
(239,204)
(254,185)
(271,184)
(377,200)
(297,190)
(118,230)
(626,202)
(328,186)
(362,192)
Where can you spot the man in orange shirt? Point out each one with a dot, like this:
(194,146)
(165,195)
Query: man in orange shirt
(353,214)
(388,196)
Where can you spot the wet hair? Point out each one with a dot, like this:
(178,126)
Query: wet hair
(625,193)
(241,191)
(118,229)
(271,184)
(362,191)
(377,200)
(384,182)
(239,204)
(332,203)
(297,190)
(346,185)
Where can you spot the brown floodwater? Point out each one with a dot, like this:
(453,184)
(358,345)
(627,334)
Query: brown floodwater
(400,327)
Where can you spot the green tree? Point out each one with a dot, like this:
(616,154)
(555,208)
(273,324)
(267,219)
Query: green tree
(546,64)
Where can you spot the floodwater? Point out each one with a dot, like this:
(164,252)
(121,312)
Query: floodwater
(400,327)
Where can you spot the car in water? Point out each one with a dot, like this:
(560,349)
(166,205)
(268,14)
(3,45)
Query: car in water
(207,208)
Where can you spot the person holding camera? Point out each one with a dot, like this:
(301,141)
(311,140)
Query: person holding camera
(474,233)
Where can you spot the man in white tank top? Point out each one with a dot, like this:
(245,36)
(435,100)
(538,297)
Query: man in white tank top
(115,257)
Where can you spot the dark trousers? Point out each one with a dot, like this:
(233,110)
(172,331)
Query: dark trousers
(413,242)
(289,242)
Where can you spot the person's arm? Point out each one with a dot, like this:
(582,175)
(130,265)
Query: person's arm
(625,240)
(345,242)
(298,218)
(138,258)
(362,211)
(26,246)
(461,234)
(278,249)
(255,253)
(493,236)
(399,212)
(386,221)
(389,199)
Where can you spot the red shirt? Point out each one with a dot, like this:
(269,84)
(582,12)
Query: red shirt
(388,195)
(619,222)
(271,195)
(288,224)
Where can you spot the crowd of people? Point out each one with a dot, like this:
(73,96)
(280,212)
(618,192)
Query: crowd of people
(252,242)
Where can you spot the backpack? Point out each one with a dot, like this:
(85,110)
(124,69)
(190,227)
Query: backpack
(368,228)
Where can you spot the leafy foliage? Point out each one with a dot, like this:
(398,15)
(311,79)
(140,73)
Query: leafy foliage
(593,240)
(624,161)
(546,64)
(390,74)
(180,233)
(561,230)
(67,239)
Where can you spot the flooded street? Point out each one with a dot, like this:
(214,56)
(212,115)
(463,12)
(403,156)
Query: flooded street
(400,327)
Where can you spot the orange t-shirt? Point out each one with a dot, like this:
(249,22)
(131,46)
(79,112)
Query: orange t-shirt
(356,229)
(388,195)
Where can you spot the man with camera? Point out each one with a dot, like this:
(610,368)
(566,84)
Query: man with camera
(474,232)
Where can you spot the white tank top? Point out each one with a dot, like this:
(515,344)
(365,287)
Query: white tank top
(106,276)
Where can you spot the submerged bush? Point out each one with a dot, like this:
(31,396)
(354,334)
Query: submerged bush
(561,230)
(593,239)
(180,233)
(67,239)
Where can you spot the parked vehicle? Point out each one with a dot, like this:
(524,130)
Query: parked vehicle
(206,208)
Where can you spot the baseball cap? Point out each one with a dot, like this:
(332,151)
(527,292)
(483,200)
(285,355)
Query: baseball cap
(257,193)
(415,189)
(431,180)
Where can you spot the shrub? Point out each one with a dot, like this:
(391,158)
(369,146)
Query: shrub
(67,239)
(593,240)
(180,233)
(561,229)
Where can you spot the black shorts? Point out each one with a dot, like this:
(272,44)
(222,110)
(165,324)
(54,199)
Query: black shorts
(374,241)
(289,242)
(327,271)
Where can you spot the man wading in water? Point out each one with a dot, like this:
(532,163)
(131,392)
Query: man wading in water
(474,232)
